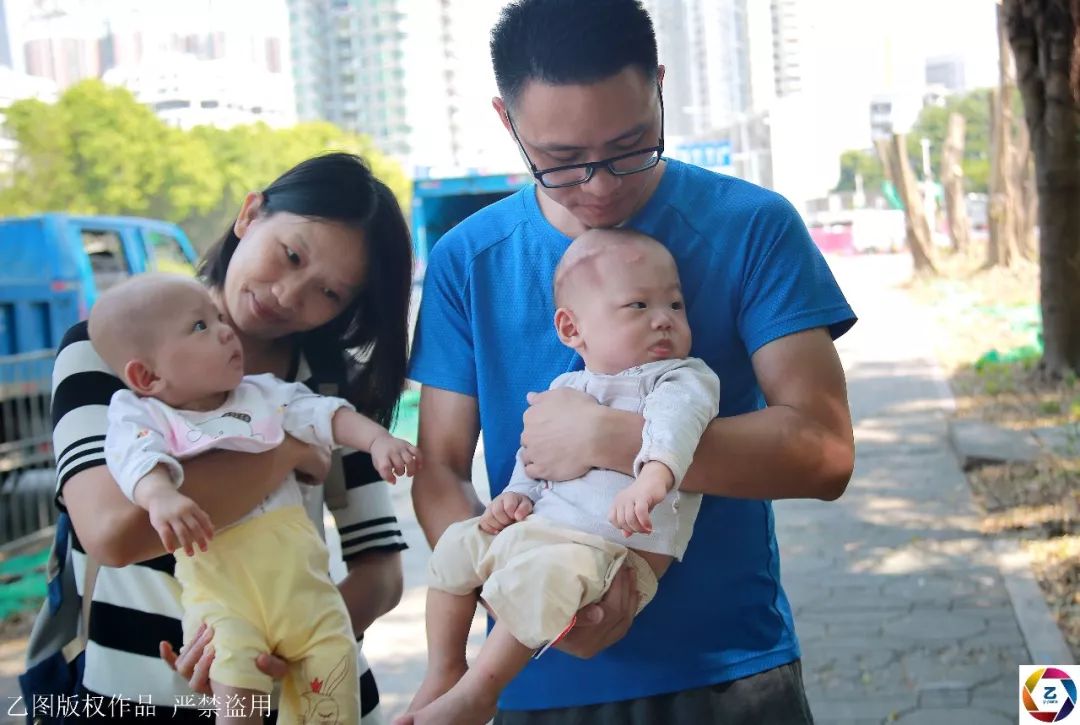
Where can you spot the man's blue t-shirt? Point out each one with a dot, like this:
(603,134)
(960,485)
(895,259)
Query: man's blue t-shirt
(750,274)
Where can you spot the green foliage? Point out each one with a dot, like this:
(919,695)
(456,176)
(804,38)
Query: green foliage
(99,151)
(865,163)
(933,123)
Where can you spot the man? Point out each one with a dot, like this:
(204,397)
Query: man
(581,95)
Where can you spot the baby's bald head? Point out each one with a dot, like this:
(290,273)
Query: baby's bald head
(127,321)
(583,264)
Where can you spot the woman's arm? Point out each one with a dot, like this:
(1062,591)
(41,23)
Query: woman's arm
(226,484)
(372,587)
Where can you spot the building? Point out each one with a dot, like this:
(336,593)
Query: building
(185,91)
(946,71)
(414,75)
(5,39)
(204,61)
(704,45)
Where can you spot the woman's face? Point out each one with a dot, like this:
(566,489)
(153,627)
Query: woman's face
(290,274)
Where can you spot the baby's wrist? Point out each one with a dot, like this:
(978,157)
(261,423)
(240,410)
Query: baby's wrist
(657,473)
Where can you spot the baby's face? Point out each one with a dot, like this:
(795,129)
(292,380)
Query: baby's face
(198,353)
(635,314)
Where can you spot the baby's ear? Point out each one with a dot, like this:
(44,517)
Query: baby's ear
(141,379)
(566,328)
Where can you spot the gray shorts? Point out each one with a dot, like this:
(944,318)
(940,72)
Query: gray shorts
(773,697)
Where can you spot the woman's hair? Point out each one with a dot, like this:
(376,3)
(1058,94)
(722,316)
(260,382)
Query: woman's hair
(365,345)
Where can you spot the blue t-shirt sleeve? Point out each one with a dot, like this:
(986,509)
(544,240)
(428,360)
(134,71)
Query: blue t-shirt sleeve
(787,284)
(442,351)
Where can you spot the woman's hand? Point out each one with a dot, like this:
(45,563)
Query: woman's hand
(559,434)
(311,463)
(603,624)
(193,662)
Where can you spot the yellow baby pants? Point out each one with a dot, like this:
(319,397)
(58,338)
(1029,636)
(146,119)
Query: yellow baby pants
(264,586)
(535,575)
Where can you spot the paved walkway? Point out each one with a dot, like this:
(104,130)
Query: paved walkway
(899,605)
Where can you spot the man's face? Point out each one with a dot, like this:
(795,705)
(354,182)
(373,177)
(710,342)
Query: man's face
(571,124)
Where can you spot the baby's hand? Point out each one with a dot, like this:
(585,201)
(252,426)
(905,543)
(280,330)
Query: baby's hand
(180,522)
(630,510)
(507,508)
(394,457)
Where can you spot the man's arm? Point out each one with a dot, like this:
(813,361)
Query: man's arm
(116,532)
(442,491)
(800,446)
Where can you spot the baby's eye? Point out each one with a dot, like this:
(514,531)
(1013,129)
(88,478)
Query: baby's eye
(332,295)
(636,305)
(292,256)
(199,326)
(676,305)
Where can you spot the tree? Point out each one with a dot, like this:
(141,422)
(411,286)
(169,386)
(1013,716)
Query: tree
(1043,35)
(952,183)
(860,163)
(98,151)
(933,124)
(892,152)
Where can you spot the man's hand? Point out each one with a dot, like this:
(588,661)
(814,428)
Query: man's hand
(193,662)
(179,521)
(395,457)
(630,510)
(603,624)
(507,508)
(558,437)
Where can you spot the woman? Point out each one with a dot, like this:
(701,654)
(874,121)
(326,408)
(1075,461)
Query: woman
(315,276)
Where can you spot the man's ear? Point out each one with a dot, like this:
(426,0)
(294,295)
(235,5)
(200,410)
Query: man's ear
(567,329)
(248,212)
(141,379)
(500,108)
(660,70)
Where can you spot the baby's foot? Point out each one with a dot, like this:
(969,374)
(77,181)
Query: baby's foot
(459,706)
(437,682)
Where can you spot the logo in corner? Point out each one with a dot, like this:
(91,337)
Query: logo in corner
(1048,694)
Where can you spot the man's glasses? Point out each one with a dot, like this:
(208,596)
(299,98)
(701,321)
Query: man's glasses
(634,162)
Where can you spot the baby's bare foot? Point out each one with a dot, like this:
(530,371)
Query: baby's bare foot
(437,682)
(459,706)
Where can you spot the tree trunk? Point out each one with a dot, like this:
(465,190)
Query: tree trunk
(1027,204)
(894,157)
(1042,34)
(952,180)
(1003,199)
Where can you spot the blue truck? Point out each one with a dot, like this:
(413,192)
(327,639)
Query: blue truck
(54,267)
(439,204)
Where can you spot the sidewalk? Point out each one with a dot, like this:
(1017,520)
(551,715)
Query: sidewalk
(899,604)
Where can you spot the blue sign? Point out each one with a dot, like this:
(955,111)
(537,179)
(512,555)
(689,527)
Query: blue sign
(707,154)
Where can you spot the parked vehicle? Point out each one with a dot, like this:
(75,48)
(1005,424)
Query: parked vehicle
(439,204)
(54,267)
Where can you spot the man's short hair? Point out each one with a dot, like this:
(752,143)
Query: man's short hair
(564,42)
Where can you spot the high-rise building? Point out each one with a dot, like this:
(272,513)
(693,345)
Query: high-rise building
(350,66)
(704,45)
(5,39)
(414,75)
(946,71)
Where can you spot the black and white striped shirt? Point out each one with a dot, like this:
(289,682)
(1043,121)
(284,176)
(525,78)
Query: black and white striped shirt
(137,606)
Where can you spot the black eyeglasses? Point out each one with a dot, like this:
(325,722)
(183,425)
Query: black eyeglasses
(634,162)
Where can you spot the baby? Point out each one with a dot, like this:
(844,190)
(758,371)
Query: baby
(263,583)
(543,550)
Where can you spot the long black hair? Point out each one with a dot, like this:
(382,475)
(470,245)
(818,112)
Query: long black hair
(366,345)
